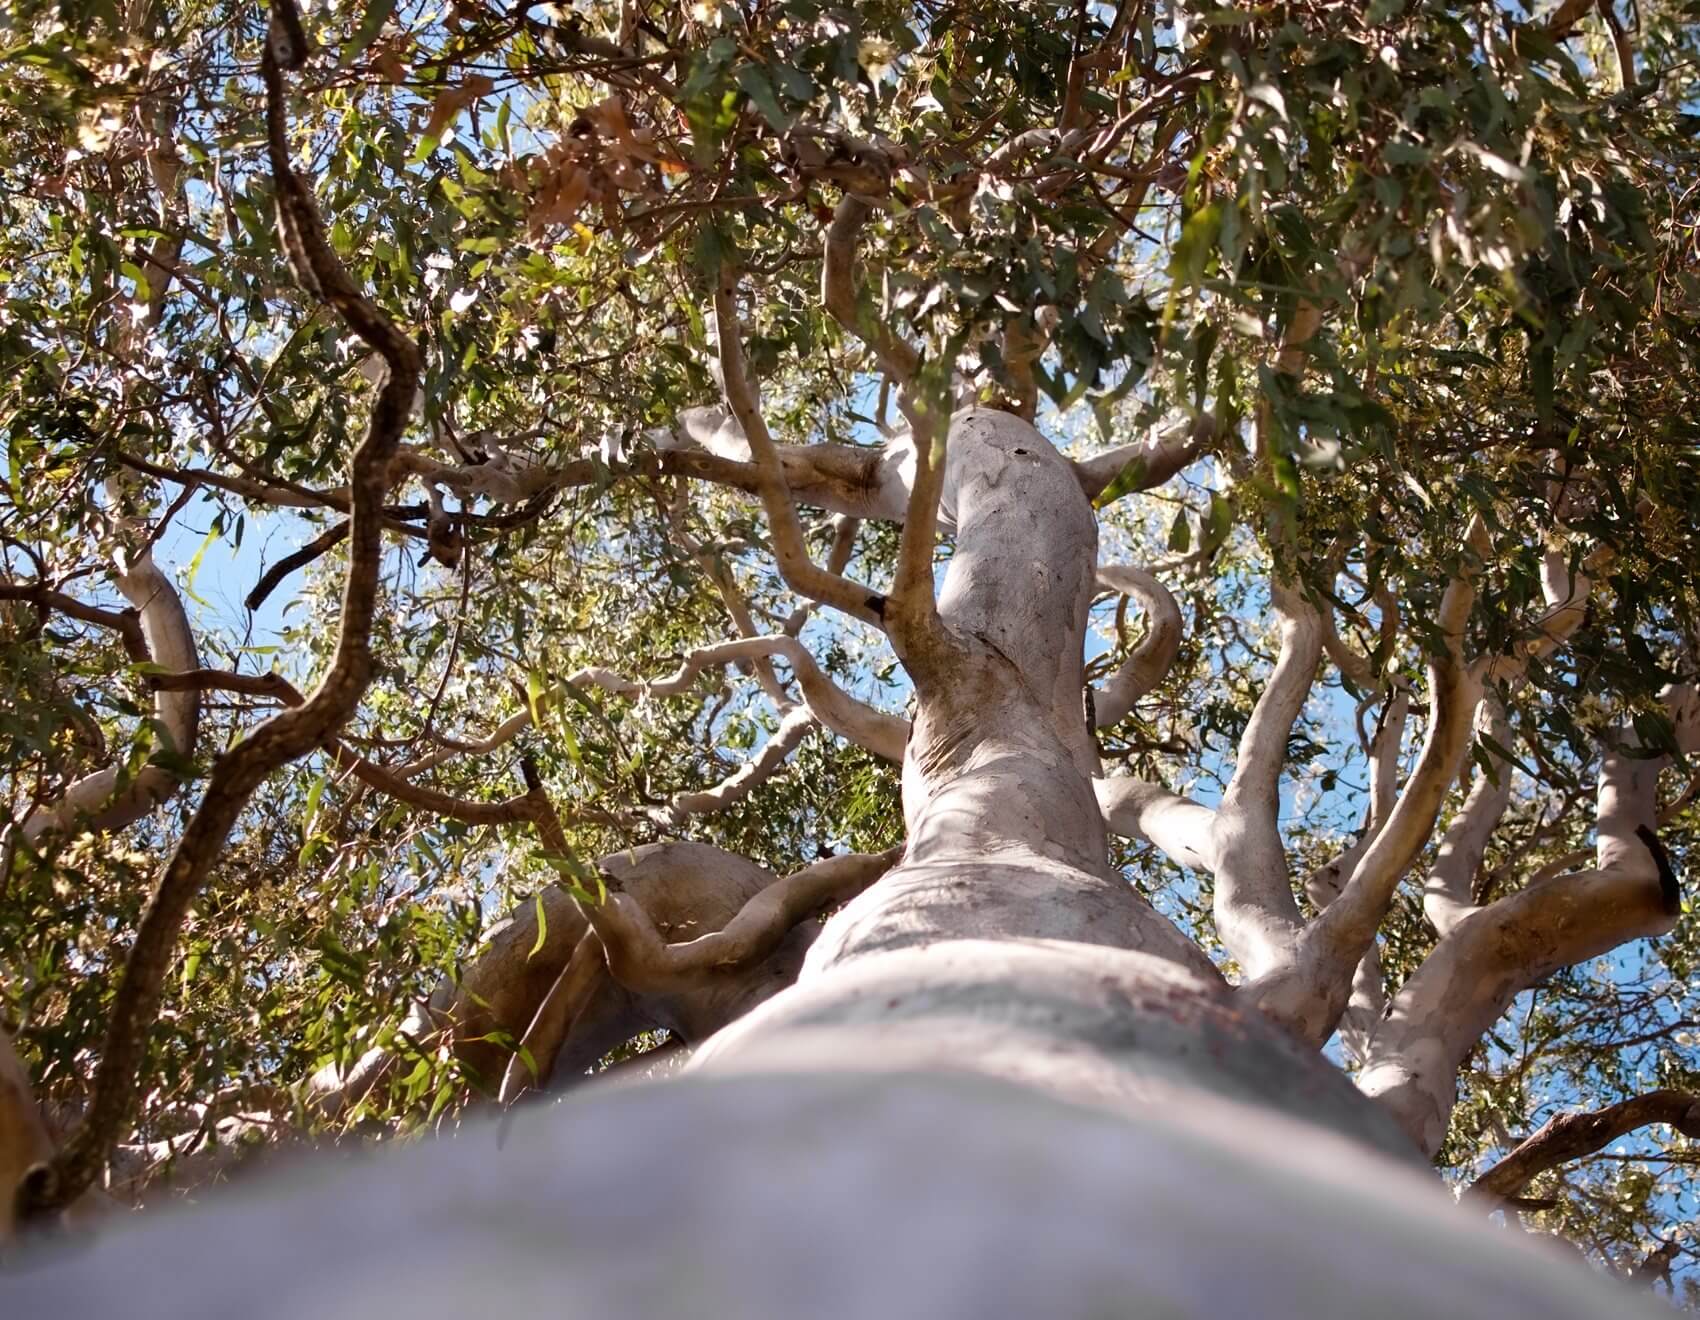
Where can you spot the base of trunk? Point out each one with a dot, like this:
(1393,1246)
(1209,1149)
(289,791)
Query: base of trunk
(835,1195)
(1112,1028)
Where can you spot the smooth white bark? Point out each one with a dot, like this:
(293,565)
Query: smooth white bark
(1490,955)
(107,799)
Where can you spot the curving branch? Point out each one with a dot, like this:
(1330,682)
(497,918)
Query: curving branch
(1182,829)
(1447,897)
(823,700)
(126,623)
(320,545)
(108,799)
(1566,1137)
(897,359)
(845,529)
(1311,989)
(794,726)
(850,718)
(291,733)
(1368,997)
(858,481)
(1144,464)
(643,962)
(791,551)
(1494,953)
(911,613)
(1359,670)
(509,811)
(1148,663)
(1256,914)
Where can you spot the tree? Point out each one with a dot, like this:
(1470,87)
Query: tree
(574,340)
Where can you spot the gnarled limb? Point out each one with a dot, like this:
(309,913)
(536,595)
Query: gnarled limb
(1566,1137)
(287,735)
(1149,662)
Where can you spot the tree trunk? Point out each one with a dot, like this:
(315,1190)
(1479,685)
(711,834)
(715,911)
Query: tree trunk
(1004,943)
(855,1146)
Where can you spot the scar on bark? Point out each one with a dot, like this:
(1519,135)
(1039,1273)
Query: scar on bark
(1670,886)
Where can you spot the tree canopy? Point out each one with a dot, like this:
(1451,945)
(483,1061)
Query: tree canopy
(397,370)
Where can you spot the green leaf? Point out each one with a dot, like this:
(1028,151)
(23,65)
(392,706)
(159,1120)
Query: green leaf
(195,567)
(1129,479)
(1217,524)
(542,927)
(534,691)
(1180,533)
(760,91)
(311,810)
(371,23)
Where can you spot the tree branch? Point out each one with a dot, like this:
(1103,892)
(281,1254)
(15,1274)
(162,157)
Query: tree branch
(1566,1137)
(1473,974)
(800,572)
(154,629)
(838,291)
(321,544)
(1311,989)
(1148,663)
(1447,897)
(1183,830)
(643,962)
(584,975)
(1256,914)
(287,735)
(1146,463)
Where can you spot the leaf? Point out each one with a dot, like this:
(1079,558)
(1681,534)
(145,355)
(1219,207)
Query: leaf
(1270,95)
(448,104)
(760,91)
(195,566)
(1180,533)
(1129,479)
(371,23)
(1504,754)
(1217,524)
(310,811)
(542,927)
(534,690)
